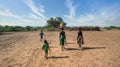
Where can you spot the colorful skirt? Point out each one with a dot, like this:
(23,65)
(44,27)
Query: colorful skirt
(62,41)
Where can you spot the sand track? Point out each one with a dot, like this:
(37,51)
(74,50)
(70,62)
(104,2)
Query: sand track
(23,49)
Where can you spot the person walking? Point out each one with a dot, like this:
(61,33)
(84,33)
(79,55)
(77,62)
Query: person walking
(80,39)
(41,34)
(62,38)
(45,47)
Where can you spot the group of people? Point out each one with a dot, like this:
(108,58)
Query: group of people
(62,40)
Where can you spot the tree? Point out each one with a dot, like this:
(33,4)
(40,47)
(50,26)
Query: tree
(55,22)
(1,29)
(29,28)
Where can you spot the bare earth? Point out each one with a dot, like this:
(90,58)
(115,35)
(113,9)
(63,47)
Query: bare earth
(23,49)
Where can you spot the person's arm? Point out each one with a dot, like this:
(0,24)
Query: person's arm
(78,35)
(59,35)
(82,38)
(42,47)
(65,35)
(81,34)
(48,47)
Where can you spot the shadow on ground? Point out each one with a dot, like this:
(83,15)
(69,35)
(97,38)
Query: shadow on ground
(70,43)
(72,48)
(90,48)
(85,48)
(6,33)
(56,57)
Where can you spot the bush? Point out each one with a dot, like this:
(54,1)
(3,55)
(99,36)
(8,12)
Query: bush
(1,29)
(18,28)
(50,29)
(111,27)
(107,28)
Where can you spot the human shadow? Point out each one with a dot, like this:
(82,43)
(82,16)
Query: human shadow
(90,48)
(70,43)
(72,48)
(56,57)
(85,48)
(6,33)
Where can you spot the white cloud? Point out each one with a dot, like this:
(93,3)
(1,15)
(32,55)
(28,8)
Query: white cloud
(7,13)
(69,4)
(34,18)
(30,19)
(103,17)
(36,10)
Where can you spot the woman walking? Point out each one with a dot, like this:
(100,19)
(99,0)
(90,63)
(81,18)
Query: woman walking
(62,38)
(80,39)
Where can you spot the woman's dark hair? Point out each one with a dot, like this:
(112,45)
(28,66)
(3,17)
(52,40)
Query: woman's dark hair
(62,28)
(79,28)
(45,41)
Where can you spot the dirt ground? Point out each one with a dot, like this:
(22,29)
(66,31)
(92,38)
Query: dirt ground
(23,49)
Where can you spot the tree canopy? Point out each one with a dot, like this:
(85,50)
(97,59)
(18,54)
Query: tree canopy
(55,22)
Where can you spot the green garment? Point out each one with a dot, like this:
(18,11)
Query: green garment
(62,41)
(45,47)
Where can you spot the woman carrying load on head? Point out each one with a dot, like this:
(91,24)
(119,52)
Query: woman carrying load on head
(62,38)
(80,39)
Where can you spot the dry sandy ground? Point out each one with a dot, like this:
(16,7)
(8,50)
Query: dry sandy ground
(23,49)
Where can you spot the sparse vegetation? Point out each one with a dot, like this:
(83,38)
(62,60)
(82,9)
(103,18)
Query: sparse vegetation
(112,27)
(18,28)
(52,25)
(24,49)
(85,28)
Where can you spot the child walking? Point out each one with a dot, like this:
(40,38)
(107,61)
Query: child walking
(45,48)
(41,35)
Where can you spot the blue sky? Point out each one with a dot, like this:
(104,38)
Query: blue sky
(73,12)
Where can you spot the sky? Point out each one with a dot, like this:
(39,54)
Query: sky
(73,12)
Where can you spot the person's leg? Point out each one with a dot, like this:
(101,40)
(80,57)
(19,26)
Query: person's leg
(63,43)
(79,42)
(61,47)
(80,45)
(46,55)
(41,37)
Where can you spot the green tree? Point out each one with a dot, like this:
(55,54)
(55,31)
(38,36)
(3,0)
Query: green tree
(29,28)
(55,22)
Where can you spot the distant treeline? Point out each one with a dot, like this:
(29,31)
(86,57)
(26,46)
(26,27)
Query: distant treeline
(30,28)
(85,28)
(112,27)
(18,28)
